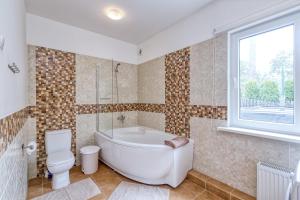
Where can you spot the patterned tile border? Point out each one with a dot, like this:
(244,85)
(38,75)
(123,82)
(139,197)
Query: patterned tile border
(55,97)
(177,92)
(10,127)
(202,111)
(156,108)
(87,109)
(104,108)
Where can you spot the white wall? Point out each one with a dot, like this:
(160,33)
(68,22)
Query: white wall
(48,33)
(13,87)
(199,27)
(13,96)
(194,29)
(13,168)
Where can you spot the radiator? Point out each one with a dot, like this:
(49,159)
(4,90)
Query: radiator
(273,182)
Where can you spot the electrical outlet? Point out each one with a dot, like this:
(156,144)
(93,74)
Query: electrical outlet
(2,42)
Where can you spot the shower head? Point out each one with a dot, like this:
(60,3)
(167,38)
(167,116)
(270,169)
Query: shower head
(117,67)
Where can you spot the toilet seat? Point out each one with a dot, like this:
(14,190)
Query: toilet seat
(60,158)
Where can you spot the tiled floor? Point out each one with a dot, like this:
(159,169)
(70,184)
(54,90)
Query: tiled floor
(108,180)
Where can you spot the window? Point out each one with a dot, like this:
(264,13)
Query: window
(264,65)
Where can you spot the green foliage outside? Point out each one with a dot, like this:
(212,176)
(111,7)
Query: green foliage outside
(289,90)
(252,90)
(276,85)
(269,91)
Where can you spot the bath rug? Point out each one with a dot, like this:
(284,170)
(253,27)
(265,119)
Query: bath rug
(133,191)
(81,190)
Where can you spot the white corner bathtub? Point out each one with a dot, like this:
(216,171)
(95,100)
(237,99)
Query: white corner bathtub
(139,153)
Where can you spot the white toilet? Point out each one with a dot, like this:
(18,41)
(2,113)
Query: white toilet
(60,158)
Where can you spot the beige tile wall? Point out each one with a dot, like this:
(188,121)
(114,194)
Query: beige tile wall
(32,166)
(131,119)
(31,136)
(201,66)
(127,82)
(152,120)
(209,72)
(220,71)
(151,81)
(86,81)
(32,74)
(230,158)
(151,89)
(85,129)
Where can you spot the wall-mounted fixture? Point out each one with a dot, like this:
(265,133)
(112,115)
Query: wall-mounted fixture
(2,42)
(30,147)
(14,68)
(114,13)
(140,52)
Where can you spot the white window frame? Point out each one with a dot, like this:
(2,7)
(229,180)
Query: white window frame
(233,86)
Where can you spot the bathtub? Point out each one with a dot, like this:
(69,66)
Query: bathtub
(139,153)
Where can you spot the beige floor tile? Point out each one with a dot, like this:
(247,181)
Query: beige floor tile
(208,196)
(107,180)
(187,190)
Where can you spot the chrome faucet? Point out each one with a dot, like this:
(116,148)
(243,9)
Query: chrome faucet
(121,118)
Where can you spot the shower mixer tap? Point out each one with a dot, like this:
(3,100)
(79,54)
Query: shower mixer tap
(121,118)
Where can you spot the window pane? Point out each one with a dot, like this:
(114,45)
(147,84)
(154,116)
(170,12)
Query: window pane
(266,79)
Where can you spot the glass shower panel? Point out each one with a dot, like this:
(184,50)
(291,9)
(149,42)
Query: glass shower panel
(124,92)
(104,97)
(116,92)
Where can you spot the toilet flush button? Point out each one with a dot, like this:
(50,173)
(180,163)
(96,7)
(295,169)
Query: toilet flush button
(2,42)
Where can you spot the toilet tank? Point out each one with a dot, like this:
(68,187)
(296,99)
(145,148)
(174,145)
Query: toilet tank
(58,140)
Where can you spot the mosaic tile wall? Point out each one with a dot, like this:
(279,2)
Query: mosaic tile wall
(212,112)
(55,97)
(10,127)
(177,92)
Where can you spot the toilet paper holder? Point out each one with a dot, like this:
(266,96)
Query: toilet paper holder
(30,146)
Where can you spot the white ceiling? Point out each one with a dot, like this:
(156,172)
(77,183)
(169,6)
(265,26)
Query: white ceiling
(143,18)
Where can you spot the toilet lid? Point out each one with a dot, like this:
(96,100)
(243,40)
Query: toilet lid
(60,157)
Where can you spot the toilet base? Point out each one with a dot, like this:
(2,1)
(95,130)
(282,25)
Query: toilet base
(60,180)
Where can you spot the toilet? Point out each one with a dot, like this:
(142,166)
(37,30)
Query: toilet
(60,158)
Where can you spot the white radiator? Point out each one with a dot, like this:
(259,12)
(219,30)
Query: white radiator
(273,182)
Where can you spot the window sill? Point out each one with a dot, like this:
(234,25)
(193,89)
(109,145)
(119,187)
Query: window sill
(262,134)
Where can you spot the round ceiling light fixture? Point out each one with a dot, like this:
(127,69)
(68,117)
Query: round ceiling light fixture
(114,13)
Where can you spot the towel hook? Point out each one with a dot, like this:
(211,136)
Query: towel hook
(14,68)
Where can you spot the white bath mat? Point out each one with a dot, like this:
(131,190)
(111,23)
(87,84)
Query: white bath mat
(133,191)
(81,190)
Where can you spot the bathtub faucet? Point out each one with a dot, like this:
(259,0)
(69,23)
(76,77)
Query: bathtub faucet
(121,118)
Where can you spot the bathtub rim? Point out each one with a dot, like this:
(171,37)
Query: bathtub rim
(140,145)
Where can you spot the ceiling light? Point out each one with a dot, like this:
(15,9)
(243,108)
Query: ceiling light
(114,13)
